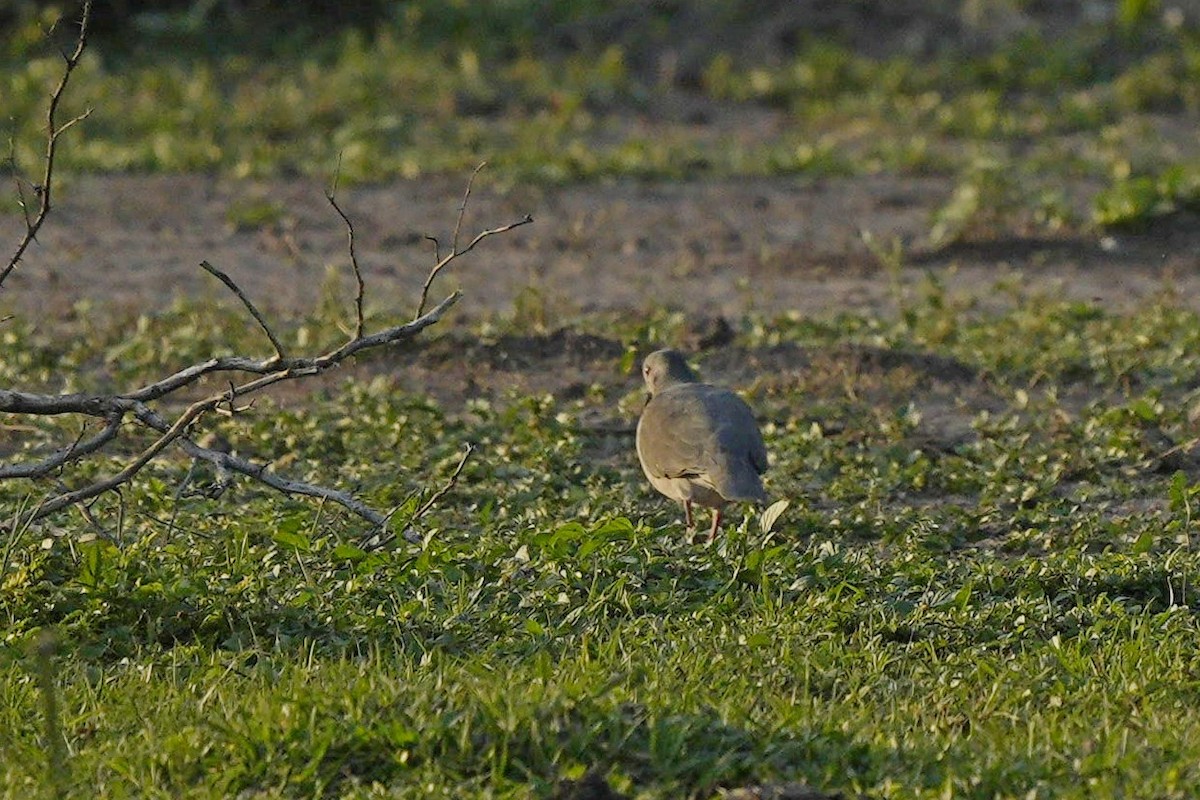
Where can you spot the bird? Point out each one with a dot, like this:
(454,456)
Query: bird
(698,444)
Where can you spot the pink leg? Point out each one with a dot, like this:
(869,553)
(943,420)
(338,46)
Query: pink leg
(687,515)
(712,534)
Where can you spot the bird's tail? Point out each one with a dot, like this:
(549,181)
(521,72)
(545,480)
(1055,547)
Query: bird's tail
(743,484)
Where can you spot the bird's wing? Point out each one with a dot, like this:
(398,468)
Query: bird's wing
(676,435)
(739,434)
(733,424)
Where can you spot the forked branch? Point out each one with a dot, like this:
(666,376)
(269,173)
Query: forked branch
(153,408)
(440,261)
(43,191)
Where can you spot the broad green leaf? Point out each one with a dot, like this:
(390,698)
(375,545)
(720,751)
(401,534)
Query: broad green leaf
(614,526)
(348,552)
(296,541)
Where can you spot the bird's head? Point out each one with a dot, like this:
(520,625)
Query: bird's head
(665,368)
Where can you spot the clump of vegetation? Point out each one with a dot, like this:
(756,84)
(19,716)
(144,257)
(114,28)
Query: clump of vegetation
(1132,202)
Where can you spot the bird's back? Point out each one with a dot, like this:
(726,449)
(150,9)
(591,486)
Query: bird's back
(705,433)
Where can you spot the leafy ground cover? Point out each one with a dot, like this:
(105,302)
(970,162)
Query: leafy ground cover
(983,586)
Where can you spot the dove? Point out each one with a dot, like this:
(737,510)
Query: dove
(698,444)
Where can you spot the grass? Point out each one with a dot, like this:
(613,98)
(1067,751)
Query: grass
(433,92)
(984,585)
(1005,614)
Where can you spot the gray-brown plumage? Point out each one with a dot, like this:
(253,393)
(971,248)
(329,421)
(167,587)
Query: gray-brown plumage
(698,443)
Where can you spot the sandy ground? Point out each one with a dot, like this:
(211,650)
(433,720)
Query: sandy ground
(715,247)
(713,250)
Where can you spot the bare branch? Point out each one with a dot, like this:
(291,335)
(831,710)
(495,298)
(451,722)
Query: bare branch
(233,287)
(274,371)
(173,432)
(65,455)
(433,500)
(441,263)
(66,126)
(457,253)
(43,190)
(468,449)
(358,278)
(462,207)
(260,472)
(14,402)
(527,219)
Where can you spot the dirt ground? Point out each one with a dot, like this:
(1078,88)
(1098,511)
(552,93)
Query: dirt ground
(715,247)
(713,250)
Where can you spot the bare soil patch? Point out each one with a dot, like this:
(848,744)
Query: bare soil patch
(713,250)
(715,247)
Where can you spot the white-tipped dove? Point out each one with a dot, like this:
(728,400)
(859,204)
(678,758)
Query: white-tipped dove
(698,443)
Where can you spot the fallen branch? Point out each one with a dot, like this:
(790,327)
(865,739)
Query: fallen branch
(136,409)
(116,408)
(260,473)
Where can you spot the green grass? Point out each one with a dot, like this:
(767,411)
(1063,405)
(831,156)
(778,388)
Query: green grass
(1004,615)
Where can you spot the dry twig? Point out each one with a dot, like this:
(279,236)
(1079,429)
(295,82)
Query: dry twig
(254,312)
(360,285)
(43,191)
(433,499)
(443,262)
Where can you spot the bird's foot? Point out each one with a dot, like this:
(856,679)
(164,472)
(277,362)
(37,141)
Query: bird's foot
(716,524)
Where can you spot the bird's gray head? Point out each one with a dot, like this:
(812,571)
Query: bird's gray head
(665,368)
